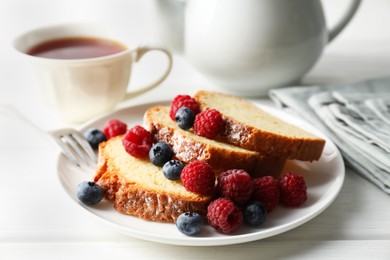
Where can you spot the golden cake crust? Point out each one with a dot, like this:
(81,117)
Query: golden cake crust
(133,197)
(266,134)
(189,147)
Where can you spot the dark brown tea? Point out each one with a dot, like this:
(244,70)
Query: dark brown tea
(76,48)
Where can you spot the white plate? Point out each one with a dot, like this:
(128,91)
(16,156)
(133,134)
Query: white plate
(324,179)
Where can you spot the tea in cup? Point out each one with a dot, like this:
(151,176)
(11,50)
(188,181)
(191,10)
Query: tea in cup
(82,71)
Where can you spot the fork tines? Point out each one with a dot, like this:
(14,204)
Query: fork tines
(74,146)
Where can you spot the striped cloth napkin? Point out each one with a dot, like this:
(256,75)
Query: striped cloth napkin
(356,117)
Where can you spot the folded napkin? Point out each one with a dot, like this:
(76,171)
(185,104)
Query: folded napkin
(356,117)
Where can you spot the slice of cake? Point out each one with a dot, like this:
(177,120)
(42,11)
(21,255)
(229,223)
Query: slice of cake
(139,188)
(251,128)
(188,147)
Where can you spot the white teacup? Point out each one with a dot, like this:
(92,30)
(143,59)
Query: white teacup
(80,88)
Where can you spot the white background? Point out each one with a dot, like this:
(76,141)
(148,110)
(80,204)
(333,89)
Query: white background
(367,35)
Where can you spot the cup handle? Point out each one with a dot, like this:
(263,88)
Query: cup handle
(344,21)
(139,53)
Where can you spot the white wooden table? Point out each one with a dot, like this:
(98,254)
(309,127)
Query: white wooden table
(39,221)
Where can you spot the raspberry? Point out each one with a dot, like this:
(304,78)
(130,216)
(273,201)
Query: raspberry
(137,141)
(183,101)
(266,191)
(198,177)
(292,189)
(114,127)
(235,185)
(224,215)
(208,123)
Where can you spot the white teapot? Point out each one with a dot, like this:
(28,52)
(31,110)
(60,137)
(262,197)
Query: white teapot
(247,46)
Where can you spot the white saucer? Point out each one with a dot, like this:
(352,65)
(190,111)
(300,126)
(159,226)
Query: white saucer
(324,180)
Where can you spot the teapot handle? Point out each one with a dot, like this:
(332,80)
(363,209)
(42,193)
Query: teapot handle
(344,21)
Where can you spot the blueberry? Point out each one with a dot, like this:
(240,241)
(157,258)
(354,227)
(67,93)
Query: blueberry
(189,223)
(172,169)
(255,213)
(160,153)
(89,192)
(95,137)
(185,118)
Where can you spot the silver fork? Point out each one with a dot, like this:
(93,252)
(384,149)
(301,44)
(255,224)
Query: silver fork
(74,146)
